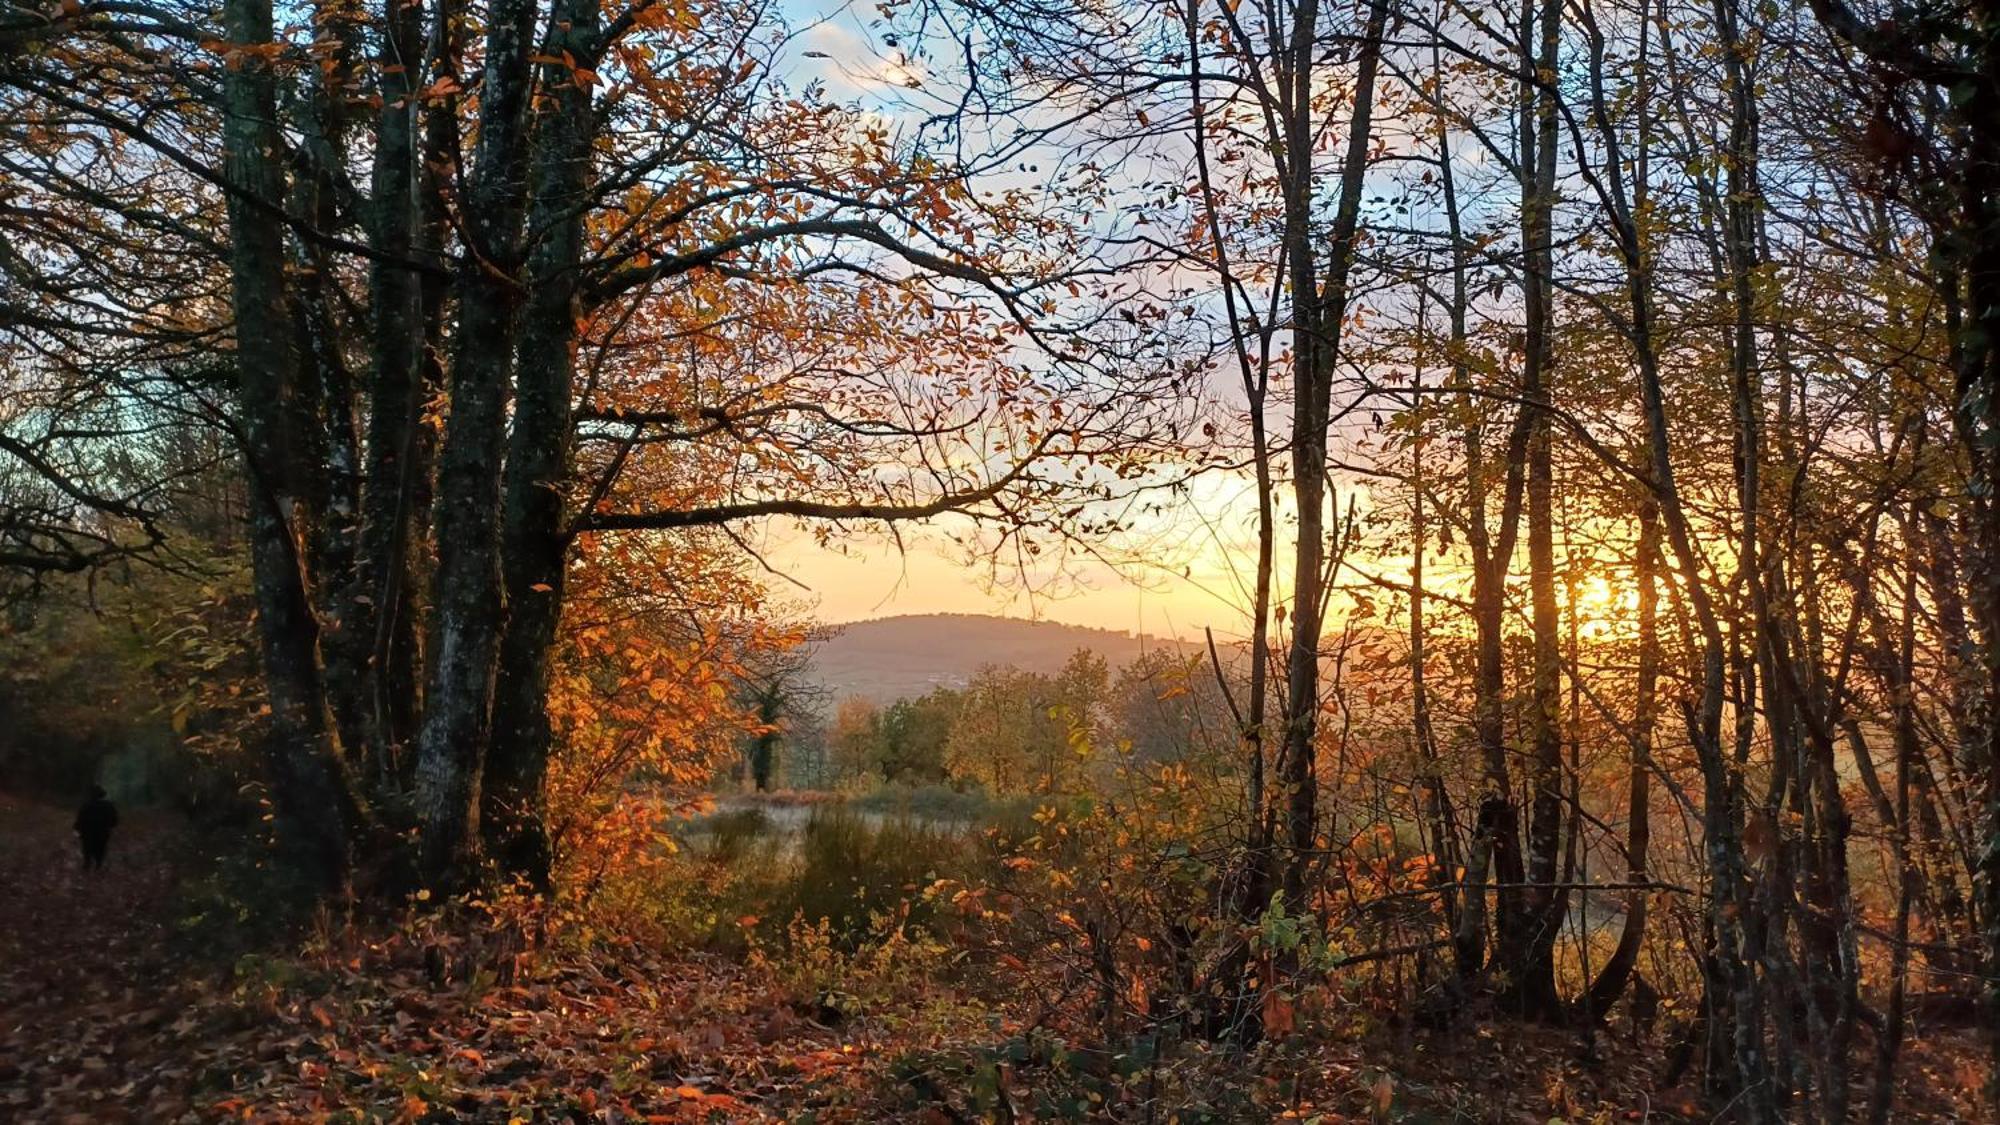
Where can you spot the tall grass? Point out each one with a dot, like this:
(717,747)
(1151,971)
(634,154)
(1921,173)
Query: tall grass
(851,874)
(860,875)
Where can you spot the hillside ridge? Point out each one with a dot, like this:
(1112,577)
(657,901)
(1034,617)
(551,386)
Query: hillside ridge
(906,655)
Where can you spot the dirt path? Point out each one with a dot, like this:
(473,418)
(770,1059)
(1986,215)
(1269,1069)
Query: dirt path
(89,986)
(108,1015)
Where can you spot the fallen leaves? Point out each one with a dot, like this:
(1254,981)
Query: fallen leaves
(97,1017)
(99,1023)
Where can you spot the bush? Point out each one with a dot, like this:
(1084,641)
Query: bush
(747,880)
(732,834)
(247,902)
(853,871)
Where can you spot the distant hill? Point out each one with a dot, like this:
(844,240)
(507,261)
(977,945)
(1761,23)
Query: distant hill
(893,658)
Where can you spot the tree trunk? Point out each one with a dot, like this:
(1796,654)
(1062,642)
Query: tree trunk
(314,808)
(1530,962)
(1903,718)
(465,596)
(1969,233)
(1318,312)
(535,543)
(1617,972)
(1740,1066)
(1469,937)
(379,607)
(1437,810)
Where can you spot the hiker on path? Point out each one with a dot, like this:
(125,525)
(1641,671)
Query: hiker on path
(94,822)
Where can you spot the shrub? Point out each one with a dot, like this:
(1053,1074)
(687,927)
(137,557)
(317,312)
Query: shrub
(852,871)
(733,833)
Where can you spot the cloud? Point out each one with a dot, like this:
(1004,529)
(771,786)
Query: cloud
(846,62)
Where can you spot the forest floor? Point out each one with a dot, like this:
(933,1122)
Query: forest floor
(110,1012)
(89,986)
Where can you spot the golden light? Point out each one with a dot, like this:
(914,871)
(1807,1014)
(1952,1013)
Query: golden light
(1603,608)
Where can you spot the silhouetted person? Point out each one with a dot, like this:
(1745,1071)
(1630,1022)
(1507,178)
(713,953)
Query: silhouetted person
(94,822)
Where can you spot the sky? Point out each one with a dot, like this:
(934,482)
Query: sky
(1175,576)
(1168,586)
(870,574)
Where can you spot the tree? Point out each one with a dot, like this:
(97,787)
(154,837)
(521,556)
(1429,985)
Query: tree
(857,731)
(513,270)
(913,736)
(1008,734)
(778,691)
(1920,46)
(1168,707)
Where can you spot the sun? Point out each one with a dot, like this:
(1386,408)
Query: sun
(1604,608)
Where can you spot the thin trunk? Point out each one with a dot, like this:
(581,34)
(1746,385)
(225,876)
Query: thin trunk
(329,413)
(395,391)
(1968,232)
(1436,801)
(1728,979)
(1488,598)
(1771,652)
(1617,972)
(1319,310)
(402,635)
(1255,376)
(1903,718)
(1611,981)
(1532,965)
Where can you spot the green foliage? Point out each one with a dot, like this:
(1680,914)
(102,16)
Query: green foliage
(746,879)
(1020,732)
(74,689)
(944,804)
(1168,707)
(243,905)
(910,743)
(1011,731)
(139,681)
(1040,1075)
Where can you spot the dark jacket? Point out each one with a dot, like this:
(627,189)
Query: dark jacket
(96,818)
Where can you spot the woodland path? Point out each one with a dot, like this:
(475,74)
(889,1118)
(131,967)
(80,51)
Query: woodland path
(90,986)
(110,1013)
